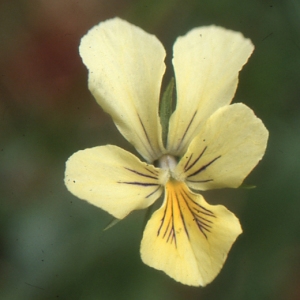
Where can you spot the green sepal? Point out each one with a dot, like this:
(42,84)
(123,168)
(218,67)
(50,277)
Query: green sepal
(247,186)
(166,109)
(112,223)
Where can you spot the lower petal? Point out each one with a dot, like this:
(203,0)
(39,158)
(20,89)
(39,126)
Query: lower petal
(187,238)
(113,179)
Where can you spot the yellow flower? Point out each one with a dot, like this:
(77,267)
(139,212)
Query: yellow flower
(210,144)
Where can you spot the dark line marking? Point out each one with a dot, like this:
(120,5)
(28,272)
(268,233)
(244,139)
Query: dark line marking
(206,226)
(199,181)
(188,161)
(200,206)
(197,159)
(152,172)
(204,213)
(185,132)
(167,229)
(203,225)
(200,217)
(200,221)
(138,183)
(146,134)
(163,218)
(153,192)
(169,223)
(201,229)
(204,167)
(182,218)
(197,211)
(170,234)
(141,174)
(173,227)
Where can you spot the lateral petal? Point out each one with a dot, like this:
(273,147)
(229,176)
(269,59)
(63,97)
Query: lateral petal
(206,61)
(187,238)
(113,179)
(126,66)
(229,146)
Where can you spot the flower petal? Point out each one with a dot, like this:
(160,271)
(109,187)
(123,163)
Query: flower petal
(126,66)
(206,61)
(113,179)
(187,238)
(230,144)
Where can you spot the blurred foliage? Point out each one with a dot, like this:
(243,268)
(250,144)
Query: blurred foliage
(52,244)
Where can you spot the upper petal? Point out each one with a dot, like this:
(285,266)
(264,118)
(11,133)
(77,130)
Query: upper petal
(206,61)
(228,147)
(126,66)
(188,238)
(113,179)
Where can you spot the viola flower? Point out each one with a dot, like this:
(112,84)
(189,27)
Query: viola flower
(210,144)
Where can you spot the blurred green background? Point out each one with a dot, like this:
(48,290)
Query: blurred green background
(52,245)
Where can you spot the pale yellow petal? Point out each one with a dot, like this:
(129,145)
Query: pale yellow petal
(113,179)
(230,144)
(187,238)
(126,66)
(207,61)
